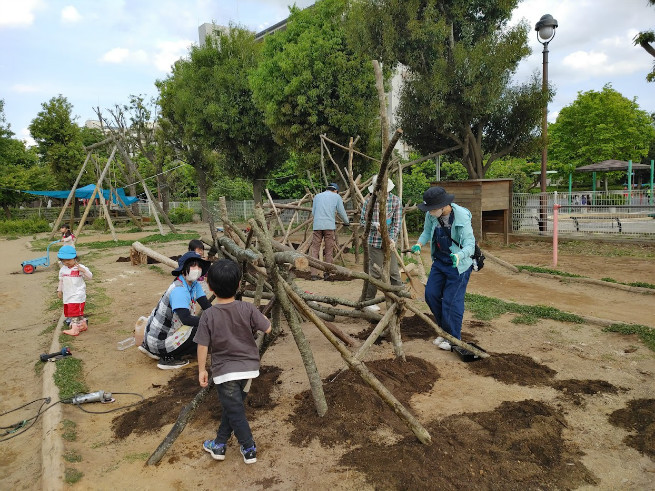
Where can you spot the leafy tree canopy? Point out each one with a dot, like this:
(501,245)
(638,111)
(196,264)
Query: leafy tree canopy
(646,39)
(600,126)
(311,82)
(59,139)
(209,104)
(459,58)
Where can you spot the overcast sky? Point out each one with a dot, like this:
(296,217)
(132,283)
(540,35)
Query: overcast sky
(98,52)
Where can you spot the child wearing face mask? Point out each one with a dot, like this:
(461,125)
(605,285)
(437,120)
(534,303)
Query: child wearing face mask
(171,326)
(448,228)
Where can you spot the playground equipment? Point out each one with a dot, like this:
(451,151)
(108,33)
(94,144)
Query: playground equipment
(30,266)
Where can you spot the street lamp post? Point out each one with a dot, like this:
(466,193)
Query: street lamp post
(545,33)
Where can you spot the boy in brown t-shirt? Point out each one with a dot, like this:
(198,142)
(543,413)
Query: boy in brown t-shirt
(227,329)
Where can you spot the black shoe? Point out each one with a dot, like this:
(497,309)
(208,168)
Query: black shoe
(249,454)
(326,276)
(314,277)
(217,450)
(170,363)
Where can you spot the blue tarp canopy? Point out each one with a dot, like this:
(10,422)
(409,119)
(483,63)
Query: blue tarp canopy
(86,192)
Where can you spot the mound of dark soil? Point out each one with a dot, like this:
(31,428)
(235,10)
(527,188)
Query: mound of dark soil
(517,446)
(573,389)
(511,368)
(164,408)
(638,417)
(355,410)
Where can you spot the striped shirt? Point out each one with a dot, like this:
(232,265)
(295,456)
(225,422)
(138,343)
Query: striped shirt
(394,220)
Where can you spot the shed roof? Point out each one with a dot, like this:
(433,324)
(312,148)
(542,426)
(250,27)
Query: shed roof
(610,165)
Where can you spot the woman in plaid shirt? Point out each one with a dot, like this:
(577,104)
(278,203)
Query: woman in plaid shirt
(375,255)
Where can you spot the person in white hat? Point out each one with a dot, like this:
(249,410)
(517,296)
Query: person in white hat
(375,254)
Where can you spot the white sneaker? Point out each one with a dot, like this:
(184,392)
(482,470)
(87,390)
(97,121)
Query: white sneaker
(372,308)
(148,353)
(444,345)
(439,340)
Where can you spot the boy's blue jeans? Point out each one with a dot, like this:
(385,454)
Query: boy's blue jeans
(444,294)
(233,417)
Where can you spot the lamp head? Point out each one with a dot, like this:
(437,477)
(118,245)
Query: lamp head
(546,28)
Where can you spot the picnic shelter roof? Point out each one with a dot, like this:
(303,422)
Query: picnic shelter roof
(610,165)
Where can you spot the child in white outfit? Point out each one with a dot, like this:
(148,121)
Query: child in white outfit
(72,289)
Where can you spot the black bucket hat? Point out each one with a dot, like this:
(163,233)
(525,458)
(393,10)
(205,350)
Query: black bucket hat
(187,257)
(434,198)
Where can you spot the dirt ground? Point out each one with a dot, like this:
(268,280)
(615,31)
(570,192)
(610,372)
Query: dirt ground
(556,406)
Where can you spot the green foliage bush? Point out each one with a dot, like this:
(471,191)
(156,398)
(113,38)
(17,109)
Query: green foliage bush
(181,214)
(23,227)
(99,224)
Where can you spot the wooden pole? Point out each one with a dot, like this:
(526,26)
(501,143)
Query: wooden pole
(70,196)
(316,385)
(358,367)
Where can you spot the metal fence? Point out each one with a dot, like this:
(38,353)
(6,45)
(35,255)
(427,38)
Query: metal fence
(587,213)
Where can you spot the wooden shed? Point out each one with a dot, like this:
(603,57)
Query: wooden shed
(490,203)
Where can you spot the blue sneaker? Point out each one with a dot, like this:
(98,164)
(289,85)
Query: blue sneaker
(217,450)
(249,454)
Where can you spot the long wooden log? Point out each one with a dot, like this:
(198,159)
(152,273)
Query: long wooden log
(155,255)
(358,367)
(316,385)
(375,334)
(180,424)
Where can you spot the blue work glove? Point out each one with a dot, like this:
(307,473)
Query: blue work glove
(455,259)
(416,249)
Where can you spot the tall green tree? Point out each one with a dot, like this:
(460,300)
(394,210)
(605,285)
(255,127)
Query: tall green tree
(311,82)
(21,169)
(209,105)
(59,139)
(646,39)
(459,59)
(600,126)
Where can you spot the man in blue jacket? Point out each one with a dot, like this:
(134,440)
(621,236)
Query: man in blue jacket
(326,204)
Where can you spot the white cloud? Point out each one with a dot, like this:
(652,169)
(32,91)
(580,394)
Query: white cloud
(70,15)
(24,134)
(116,55)
(168,52)
(598,64)
(18,13)
(25,88)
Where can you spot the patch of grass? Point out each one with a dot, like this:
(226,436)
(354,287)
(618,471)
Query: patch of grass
(68,377)
(12,237)
(487,308)
(638,284)
(133,457)
(48,329)
(55,304)
(38,368)
(526,319)
(537,269)
(68,430)
(99,444)
(72,456)
(150,239)
(71,476)
(642,284)
(645,333)
(158,269)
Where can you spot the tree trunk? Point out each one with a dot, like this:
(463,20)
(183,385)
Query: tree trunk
(257,190)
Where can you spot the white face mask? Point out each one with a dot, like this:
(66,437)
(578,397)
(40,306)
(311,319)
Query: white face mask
(193,275)
(436,213)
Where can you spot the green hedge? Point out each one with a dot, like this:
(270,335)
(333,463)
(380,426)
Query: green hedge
(24,227)
(181,214)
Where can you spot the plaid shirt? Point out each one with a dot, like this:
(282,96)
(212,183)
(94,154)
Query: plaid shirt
(394,220)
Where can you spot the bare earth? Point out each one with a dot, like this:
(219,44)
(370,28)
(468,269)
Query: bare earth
(557,406)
